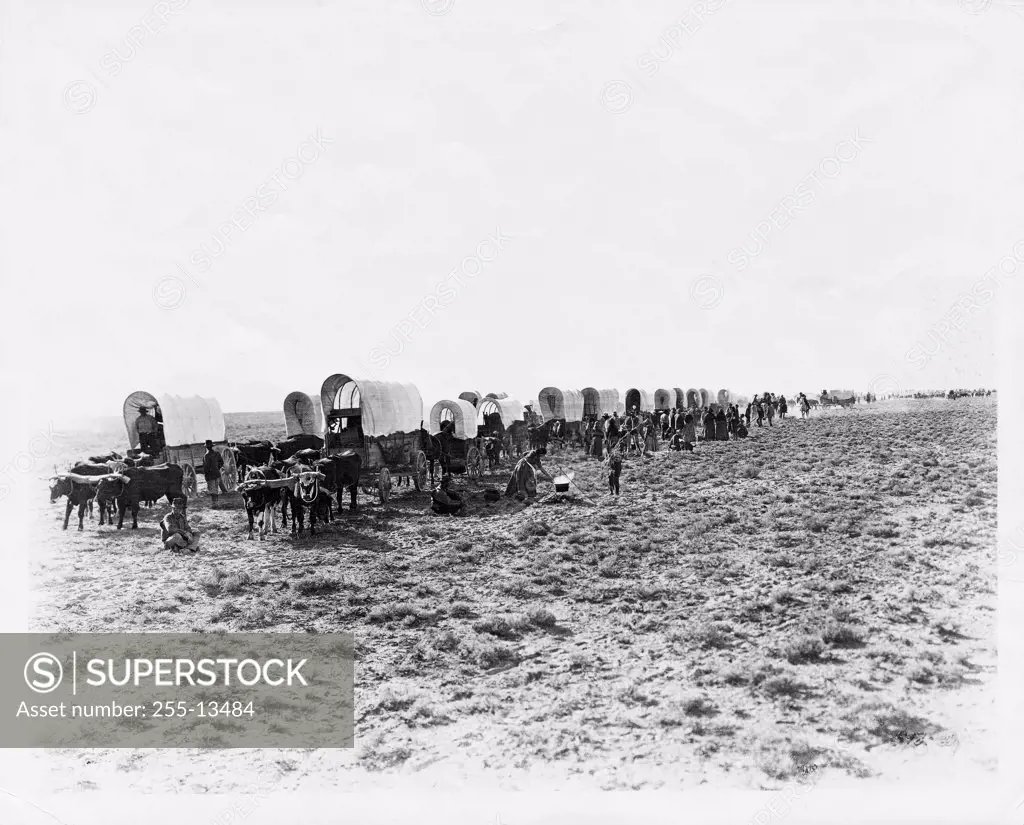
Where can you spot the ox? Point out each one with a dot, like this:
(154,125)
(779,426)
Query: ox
(314,484)
(299,442)
(253,454)
(79,495)
(263,500)
(142,484)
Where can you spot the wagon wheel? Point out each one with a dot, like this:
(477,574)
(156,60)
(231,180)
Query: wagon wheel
(419,478)
(473,468)
(189,483)
(229,472)
(384,485)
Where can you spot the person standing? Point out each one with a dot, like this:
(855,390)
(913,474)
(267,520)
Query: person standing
(597,440)
(146,426)
(212,465)
(709,425)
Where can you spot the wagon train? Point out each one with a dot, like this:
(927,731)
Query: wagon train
(453,425)
(174,430)
(382,421)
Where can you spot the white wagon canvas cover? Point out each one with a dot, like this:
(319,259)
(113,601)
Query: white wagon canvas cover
(385,407)
(664,399)
(460,411)
(564,404)
(302,414)
(509,409)
(643,399)
(186,420)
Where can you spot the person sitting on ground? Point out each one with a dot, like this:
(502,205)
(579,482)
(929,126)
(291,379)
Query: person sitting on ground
(443,500)
(679,442)
(175,531)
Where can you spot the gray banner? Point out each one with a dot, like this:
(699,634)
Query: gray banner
(176,690)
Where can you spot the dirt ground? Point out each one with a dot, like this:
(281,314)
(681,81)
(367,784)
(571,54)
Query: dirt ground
(819,598)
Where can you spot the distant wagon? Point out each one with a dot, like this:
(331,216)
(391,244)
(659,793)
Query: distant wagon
(565,406)
(461,449)
(504,418)
(664,399)
(680,397)
(182,428)
(381,421)
(838,398)
(692,398)
(597,403)
(302,414)
(642,400)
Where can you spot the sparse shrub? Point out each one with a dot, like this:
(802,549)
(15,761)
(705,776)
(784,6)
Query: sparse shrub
(776,686)
(408,614)
(883,532)
(518,587)
(460,610)
(319,584)
(504,627)
(712,636)
(210,580)
(784,595)
(804,649)
(749,471)
(540,617)
(842,635)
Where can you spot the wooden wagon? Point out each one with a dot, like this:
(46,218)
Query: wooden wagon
(460,444)
(504,418)
(382,421)
(183,425)
(565,406)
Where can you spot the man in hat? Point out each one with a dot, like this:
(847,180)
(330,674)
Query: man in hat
(212,465)
(175,531)
(145,426)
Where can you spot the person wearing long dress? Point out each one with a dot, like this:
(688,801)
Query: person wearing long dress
(597,440)
(523,481)
(709,426)
(689,429)
(651,437)
(721,426)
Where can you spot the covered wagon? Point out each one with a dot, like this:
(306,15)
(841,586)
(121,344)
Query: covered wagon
(504,418)
(382,421)
(598,402)
(302,414)
(562,411)
(664,399)
(453,424)
(174,429)
(640,399)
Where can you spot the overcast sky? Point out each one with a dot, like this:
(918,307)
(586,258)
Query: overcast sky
(595,174)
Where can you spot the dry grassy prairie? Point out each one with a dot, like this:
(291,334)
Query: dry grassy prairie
(821,594)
